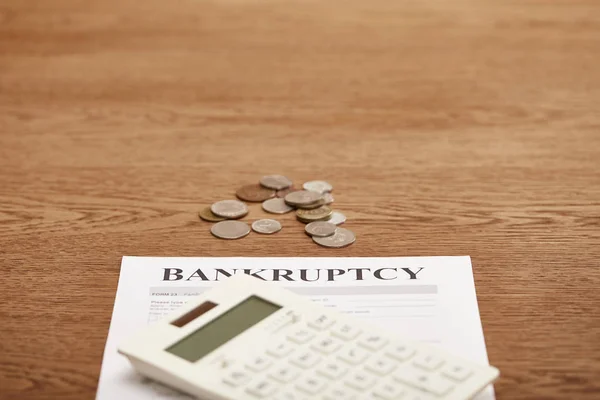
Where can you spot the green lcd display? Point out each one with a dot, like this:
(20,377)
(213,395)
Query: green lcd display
(223,328)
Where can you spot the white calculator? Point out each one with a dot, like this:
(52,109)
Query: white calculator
(248,339)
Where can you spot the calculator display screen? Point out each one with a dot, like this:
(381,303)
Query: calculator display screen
(223,328)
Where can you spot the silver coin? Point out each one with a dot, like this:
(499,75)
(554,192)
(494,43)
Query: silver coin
(320,229)
(341,238)
(337,218)
(276,206)
(326,199)
(229,209)
(266,226)
(276,182)
(303,198)
(318,186)
(311,206)
(230,229)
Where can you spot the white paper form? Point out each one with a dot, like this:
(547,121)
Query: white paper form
(430,299)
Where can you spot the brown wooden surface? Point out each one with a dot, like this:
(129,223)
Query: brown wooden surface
(447,127)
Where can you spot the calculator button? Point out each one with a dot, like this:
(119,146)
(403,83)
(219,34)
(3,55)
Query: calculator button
(237,378)
(457,372)
(380,366)
(339,393)
(332,370)
(311,384)
(419,396)
(400,352)
(322,322)
(388,390)
(327,345)
(413,377)
(259,363)
(306,359)
(285,373)
(360,380)
(373,342)
(301,335)
(353,355)
(262,388)
(429,362)
(345,331)
(438,386)
(280,349)
(288,396)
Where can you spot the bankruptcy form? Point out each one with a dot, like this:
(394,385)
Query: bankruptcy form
(428,299)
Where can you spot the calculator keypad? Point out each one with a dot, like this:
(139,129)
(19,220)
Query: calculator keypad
(339,393)
(422,380)
(301,335)
(326,345)
(381,365)
(373,342)
(360,380)
(413,377)
(400,352)
(323,359)
(322,322)
(388,390)
(332,369)
(456,372)
(419,396)
(429,362)
(311,384)
(305,359)
(259,363)
(237,378)
(439,386)
(353,355)
(280,349)
(345,331)
(261,388)
(285,373)
(288,395)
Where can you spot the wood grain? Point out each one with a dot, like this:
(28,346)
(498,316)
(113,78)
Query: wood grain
(447,128)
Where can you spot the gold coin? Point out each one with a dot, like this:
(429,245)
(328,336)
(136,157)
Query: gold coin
(207,215)
(315,214)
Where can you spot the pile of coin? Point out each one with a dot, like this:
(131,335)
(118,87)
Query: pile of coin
(279,196)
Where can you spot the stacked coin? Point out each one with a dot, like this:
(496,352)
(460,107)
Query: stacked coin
(329,235)
(277,195)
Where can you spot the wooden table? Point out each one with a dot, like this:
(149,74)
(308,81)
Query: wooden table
(446,127)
